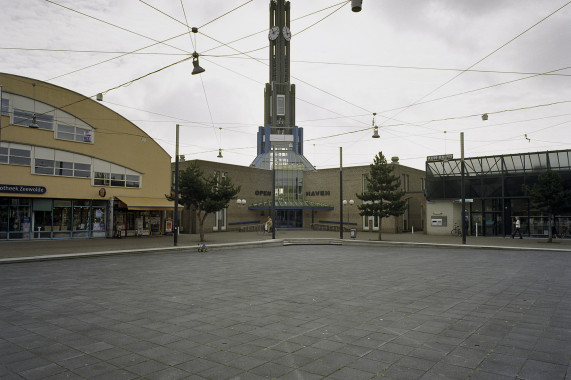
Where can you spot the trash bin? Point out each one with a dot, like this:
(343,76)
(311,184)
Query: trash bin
(353,233)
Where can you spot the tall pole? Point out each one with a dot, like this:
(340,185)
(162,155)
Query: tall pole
(463,220)
(0,114)
(340,192)
(273,192)
(176,191)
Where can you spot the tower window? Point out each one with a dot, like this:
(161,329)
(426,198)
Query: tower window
(281,105)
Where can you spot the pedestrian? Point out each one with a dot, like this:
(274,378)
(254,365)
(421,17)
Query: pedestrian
(553,230)
(517,228)
(268,226)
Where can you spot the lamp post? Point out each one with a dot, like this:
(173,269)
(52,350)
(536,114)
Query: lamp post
(240,203)
(176,191)
(340,192)
(273,210)
(350,203)
(197,70)
(463,220)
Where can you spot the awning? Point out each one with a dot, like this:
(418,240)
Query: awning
(141,204)
(291,205)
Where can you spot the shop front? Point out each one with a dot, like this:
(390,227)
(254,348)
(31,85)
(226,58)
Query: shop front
(137,216)
(41,218)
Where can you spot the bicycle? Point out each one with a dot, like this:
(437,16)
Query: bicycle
(261,229)
(456,230)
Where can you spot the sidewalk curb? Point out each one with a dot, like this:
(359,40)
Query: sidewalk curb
(268,243)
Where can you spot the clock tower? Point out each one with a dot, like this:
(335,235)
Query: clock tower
(279,131)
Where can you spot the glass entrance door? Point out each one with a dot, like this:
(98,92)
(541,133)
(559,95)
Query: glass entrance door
(289,219)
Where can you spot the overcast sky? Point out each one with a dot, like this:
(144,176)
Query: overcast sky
(402,59)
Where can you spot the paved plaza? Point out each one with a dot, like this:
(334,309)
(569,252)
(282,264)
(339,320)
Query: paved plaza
(290,312)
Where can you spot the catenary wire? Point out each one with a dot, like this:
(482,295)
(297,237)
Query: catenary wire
(485,57)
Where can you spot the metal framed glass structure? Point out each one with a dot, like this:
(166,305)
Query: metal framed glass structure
(495,185)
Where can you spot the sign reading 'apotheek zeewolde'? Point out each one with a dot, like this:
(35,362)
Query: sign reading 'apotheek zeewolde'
(22,189)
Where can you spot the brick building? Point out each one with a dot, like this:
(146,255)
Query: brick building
(317,204)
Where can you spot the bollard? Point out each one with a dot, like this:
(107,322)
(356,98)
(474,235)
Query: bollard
(413,230)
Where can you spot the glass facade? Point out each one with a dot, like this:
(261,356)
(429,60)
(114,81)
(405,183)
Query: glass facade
(494,183)
(40,218)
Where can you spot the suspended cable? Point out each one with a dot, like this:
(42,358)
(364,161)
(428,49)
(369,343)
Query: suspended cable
(116,26)
(193,43)
(134,52)
(475,90)
(484,58)
(317,22)
(111,59)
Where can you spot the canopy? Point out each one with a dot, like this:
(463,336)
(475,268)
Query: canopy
(140,203)
(291,205)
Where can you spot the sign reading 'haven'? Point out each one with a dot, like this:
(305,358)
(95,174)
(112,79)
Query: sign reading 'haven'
(322,193)
(22,189)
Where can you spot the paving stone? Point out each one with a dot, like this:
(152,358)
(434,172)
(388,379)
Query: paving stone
(248,314)
(533,369)
(402,373)
(502,364)
(465,357)
(350,373)
(443,371)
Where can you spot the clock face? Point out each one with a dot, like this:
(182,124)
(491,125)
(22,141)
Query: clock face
(287,33)
(274,33)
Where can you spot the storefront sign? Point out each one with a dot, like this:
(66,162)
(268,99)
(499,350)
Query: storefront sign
(322,193)
(22,189)
(263,192)
(440,157)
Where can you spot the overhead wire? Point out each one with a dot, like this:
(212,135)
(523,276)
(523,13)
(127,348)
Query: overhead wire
(137,50)
(484,58)
(117,57)
(114,25)
(296,78)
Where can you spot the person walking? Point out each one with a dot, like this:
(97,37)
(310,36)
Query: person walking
(517,227)
(553,230)
(268,226)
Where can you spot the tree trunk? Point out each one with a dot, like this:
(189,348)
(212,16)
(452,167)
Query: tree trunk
(201,219)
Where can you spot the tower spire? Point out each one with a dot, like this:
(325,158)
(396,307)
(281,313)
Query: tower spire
(279,128)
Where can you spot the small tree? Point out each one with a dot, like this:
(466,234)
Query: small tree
(550,195)
(383,196)
(207,194)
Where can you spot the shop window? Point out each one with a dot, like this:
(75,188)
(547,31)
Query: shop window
(81,216)
(62,215)
(4,222)
(98,218)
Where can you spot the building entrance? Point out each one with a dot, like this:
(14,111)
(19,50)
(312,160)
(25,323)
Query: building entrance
(289,219)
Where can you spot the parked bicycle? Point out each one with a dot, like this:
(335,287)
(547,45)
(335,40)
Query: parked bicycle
(456,230)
